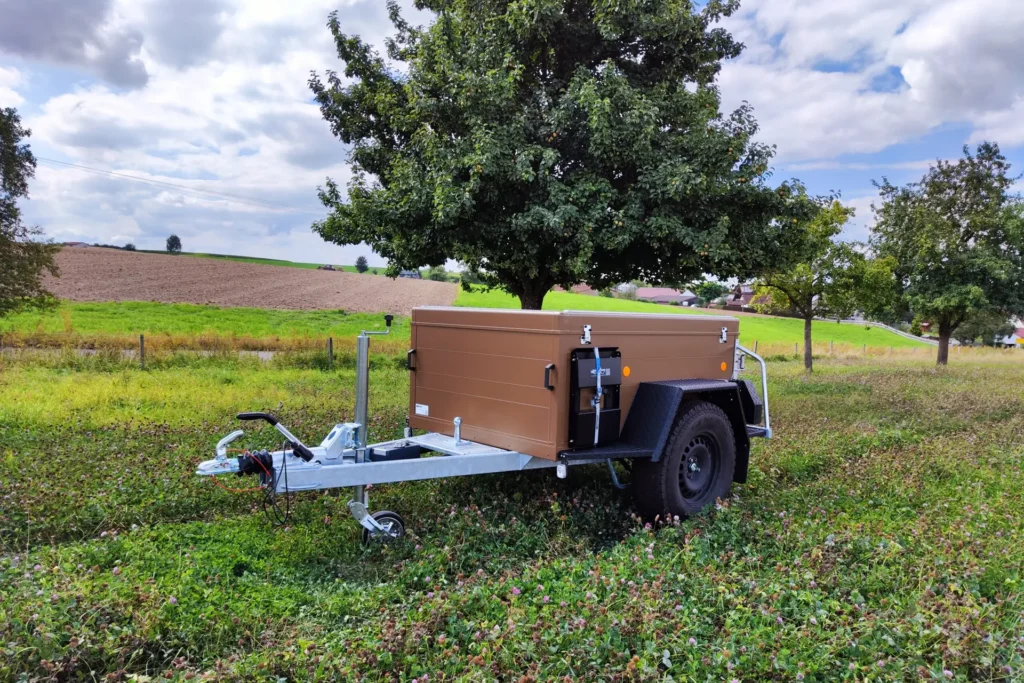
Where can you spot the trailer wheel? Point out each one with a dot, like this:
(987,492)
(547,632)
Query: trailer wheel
(394,527)
(695,469)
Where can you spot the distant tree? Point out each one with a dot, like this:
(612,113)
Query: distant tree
(23,259)
(627,291)
(986,326)
(709,290)
(552,143)
(438,274)
(361,265)
(830,278)
(129,247)
(468,277)
(174,244)
(373,272)
(957,237)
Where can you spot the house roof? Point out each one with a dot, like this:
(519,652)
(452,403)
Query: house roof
(652,292)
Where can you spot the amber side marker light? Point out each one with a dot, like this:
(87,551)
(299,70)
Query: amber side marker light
(724,366)
(625,371)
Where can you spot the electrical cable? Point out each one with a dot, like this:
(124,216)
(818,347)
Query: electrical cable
(270,506)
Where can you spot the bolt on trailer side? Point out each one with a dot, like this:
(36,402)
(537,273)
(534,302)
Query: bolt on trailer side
(502,391)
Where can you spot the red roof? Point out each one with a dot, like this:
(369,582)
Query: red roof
(651,292)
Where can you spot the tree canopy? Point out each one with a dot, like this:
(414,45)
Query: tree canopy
(552,143)
(23,259)
(957,237)
(174,244)
(830,278)
(361,265)
(709,290)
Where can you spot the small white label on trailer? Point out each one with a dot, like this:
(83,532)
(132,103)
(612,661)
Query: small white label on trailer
(423,409)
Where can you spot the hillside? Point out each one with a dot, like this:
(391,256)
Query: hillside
(112,293)
(96,274)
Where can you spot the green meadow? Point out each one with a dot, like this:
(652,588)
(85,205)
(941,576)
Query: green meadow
(879,538)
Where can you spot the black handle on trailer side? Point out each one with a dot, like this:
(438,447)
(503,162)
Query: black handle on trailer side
(547,376)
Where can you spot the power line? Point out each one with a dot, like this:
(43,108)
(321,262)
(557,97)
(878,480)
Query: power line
(185,189)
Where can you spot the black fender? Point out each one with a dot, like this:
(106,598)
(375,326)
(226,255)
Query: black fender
(652,414)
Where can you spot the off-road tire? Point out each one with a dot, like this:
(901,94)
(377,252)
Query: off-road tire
(701,445)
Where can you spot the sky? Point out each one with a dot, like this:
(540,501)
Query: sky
(207,101)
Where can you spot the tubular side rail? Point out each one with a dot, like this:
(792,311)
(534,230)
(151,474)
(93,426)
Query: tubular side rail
(764,387)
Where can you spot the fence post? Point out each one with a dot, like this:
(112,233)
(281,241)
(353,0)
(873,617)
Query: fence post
(864,350)
(330,353)
(796,348)
(755,346)
(142,352)
(830,343)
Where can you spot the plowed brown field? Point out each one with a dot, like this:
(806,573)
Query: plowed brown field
(94,274)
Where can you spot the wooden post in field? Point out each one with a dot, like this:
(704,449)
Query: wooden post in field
(864,350)
(796,349)
(142,352)
(830,343)
(755,346)
(330,353)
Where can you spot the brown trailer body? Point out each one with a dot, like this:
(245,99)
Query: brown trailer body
(487,367)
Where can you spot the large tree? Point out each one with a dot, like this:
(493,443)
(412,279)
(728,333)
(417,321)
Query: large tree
(23,258)
(830,279)
(957,237)
(552,142)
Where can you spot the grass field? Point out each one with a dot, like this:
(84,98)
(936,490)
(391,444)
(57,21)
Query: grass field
(879,538)
(772,331)
(117,325)
(133,318)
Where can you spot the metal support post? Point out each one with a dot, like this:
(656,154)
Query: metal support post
(362,407)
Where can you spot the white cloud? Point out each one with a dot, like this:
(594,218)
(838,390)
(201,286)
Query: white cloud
(238,121)
(812,67)
(221,104)
(1005,127)
(858,229)
(964,57)
(10,78)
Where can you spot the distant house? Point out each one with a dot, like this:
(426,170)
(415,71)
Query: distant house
(665,295)
(1013,340)
(741,298)
(77,245)
(411,274)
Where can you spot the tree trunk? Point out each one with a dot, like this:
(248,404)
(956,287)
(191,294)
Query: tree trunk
(531,296)
(808,357)
(945,331)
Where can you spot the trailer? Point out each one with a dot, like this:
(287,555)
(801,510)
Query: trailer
(494,391)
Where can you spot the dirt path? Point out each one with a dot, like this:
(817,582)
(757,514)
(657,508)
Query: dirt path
(93,274)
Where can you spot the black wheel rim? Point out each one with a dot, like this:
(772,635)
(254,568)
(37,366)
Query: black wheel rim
(393,529)
(698,468)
